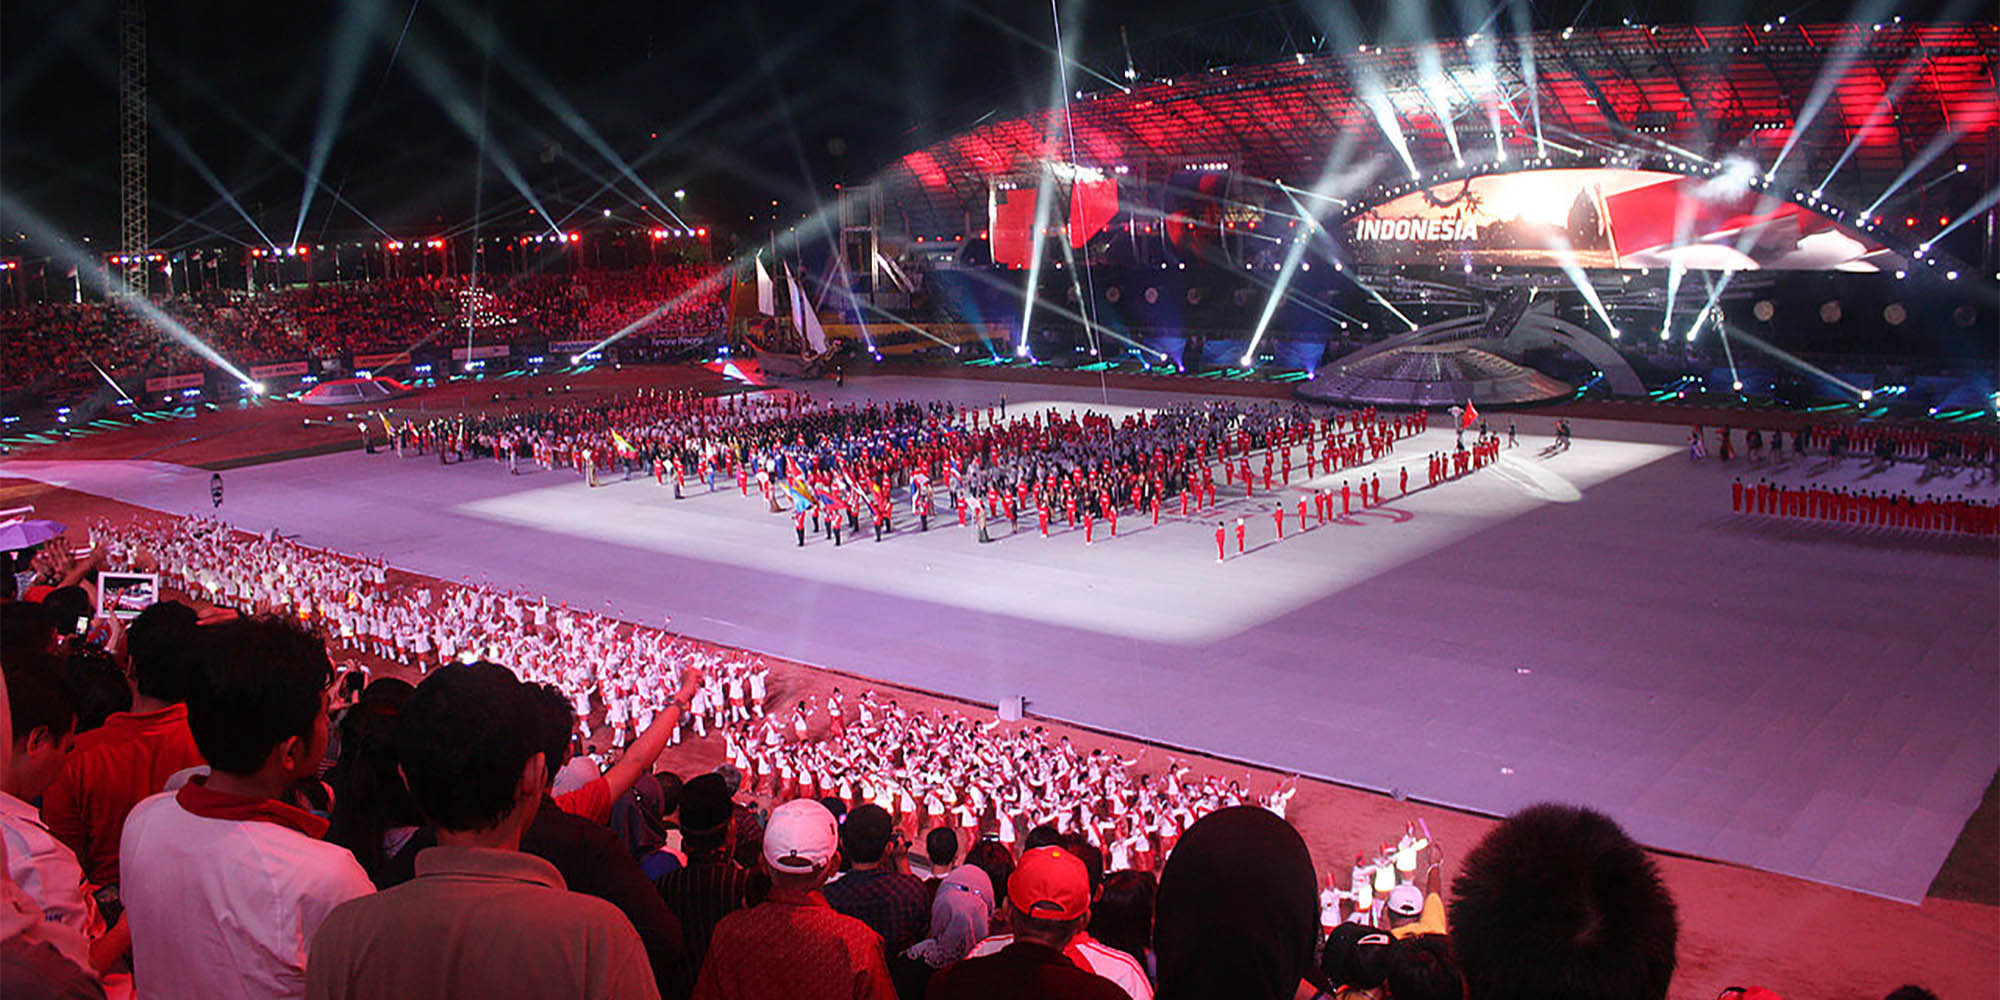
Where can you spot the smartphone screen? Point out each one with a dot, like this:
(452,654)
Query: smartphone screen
(82,625)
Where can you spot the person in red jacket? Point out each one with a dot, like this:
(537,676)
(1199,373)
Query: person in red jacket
(133,753)
(1278,518)
(1239,536)
(1220,535)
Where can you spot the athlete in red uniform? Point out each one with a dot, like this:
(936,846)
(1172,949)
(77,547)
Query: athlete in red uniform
(1219,536)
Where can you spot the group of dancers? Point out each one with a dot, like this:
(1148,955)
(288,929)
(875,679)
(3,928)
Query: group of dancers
(928,769)
(631,671)
(979,777)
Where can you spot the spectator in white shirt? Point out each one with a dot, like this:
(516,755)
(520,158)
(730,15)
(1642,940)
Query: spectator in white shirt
(44,721)
(225,881)
(43,715)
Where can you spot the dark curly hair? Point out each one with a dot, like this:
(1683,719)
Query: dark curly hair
(1558,903)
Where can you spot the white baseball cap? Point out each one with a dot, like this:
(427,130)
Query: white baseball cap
(1406,900)
(801,837)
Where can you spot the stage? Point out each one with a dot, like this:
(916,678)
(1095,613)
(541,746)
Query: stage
(1591,625)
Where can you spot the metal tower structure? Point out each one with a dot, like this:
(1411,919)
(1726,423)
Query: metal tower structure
(133,234)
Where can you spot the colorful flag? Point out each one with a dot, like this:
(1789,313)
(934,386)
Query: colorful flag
(1470,417)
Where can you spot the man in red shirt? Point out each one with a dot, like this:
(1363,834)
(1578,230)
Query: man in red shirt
(133,753)
(1219,536)
(1048,904)
(793,944)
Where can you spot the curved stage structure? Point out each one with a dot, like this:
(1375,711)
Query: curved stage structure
(1441,375)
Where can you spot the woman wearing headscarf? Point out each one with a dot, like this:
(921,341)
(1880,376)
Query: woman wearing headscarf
(960,917)
(1238,910)
(639,820)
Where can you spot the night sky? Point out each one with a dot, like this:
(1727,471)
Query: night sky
(736,103)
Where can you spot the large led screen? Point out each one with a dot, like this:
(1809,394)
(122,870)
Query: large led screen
(1608,218)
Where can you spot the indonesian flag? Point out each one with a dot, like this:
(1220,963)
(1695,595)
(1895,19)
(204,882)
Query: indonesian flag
(1470,417)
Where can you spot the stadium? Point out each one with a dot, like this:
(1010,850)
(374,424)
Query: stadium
(1210,475)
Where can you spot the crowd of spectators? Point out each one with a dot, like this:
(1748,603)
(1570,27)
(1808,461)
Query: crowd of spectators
(56,343)
(252,821)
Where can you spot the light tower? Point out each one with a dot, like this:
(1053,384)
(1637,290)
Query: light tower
(133,235)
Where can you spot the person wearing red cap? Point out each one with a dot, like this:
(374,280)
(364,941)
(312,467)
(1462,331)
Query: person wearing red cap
(1048,902)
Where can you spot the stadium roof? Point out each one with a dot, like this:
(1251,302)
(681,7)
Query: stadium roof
(1866,102)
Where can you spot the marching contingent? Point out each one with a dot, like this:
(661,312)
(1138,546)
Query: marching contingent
(843,470)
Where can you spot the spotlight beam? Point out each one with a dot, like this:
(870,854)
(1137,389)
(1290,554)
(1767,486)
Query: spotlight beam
(1524,49)
(1565,256)
(195,83)
(1935,148)
(1379,107)
(1062,311)
(1831,72)
(1714,296)
(1905,77)
(1295,253)
(482,33)
(180,145)
(1797,362)
(1430,82)
(1021,36)
(350,45)
(1377,296)
(40,231)
(1044,193)
(1979,208)
(441,85)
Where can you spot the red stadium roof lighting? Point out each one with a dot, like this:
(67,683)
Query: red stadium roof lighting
(1703,87)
